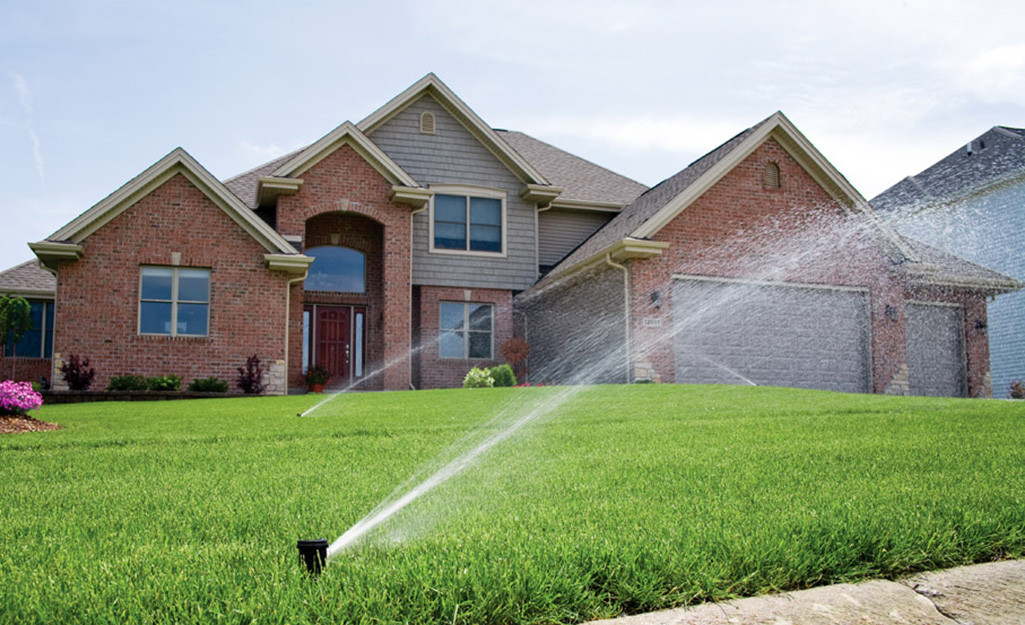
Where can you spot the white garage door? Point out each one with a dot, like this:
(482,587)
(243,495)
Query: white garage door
(798,336)
(936,359)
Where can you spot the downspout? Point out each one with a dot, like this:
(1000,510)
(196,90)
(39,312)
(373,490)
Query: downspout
(288,317)
(626,308)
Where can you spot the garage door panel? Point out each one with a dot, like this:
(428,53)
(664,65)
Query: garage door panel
(771,335)
(935,345)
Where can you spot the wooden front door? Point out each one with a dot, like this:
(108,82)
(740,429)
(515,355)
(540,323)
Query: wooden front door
(336,342)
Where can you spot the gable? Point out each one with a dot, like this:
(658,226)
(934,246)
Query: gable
(430,85)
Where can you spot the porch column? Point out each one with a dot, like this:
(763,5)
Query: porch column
(397,304)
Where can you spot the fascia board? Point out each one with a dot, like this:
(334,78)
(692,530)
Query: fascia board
(704,182)
(587,205)
(289,263)
(178,161)
(47,294)
(346,134)
(465,115)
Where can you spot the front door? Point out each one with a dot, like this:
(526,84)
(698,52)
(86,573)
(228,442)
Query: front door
(334,340)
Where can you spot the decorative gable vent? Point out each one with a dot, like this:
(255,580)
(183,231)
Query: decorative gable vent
(427,123)
(770,177)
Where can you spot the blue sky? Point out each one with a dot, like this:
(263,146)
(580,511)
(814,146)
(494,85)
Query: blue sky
(93,92)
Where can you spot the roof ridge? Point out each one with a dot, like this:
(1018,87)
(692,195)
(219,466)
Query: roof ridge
(265,163)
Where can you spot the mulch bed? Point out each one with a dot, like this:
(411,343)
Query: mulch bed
(13,425)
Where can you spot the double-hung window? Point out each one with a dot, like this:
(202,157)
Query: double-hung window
(174,301)
(472,222)
(466,330)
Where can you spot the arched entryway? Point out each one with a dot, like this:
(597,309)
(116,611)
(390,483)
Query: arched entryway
(343,299)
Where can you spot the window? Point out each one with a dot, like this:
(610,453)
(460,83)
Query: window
(337,270)
(36,342)
(466,330)
(174,301)
(468,223)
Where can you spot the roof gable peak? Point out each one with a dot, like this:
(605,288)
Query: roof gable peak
(433,86)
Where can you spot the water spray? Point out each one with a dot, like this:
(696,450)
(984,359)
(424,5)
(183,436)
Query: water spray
(314,554)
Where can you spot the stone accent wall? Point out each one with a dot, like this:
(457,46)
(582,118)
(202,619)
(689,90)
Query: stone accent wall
(339,187)
(900,384)
(437,372)
(577,330)
(98,306)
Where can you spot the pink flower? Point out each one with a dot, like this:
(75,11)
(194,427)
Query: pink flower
(17,398)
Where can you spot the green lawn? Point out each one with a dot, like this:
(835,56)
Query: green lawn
(620,499)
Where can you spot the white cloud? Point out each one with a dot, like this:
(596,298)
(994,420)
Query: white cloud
(997,75)
(25,98)
(24,95)
(262,153)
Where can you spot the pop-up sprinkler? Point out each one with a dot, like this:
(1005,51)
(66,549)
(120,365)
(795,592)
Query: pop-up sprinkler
(314,554)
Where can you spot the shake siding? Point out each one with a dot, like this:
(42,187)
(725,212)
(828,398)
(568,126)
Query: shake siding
(560,231)
(453,156)
(577,332)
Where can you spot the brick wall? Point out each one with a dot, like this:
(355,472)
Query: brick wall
(97,309)
(25,369)
(437,372)
(338,195)
(576,330)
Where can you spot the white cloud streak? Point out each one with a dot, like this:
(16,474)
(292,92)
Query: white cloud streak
(25,98)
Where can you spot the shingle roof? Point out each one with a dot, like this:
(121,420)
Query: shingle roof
(939,267)
(996,155)
(649,203)
(27,277)
(244,185)
(578,178)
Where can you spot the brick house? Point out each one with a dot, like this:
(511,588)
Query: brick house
(760,264)
(400,251)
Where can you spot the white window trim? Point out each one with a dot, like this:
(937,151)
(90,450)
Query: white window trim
(468,191)
(466,331)
(174,302)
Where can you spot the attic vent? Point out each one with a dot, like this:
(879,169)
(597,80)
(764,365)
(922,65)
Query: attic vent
(427,123)
(770,177)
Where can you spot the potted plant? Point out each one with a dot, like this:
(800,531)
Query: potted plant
(316,378)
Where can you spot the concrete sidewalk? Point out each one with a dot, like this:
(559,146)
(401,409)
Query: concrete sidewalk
(983,594)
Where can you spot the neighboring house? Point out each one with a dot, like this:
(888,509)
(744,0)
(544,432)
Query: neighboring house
(760,264)
(401,251)
(972,203)
(29,358)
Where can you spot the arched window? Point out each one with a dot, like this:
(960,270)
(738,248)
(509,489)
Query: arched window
(336,269)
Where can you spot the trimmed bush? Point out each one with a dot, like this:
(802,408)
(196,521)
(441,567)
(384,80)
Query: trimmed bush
(127,383)
(250,377)
(1018,389)
(503,375)
(478,378)
(212,384)
(164,383)
(77,373)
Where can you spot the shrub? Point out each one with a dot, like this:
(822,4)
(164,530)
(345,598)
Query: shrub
(1018,389)
(212,384)
(250,377)
(77,373)
(503,375)
(164,383)
(515,352)
(478,378)
(17,398)
(127,383)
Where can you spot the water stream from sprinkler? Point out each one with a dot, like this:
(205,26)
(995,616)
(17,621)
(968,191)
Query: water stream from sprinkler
(768,266)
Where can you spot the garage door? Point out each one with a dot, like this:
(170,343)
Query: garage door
(798,336)
(936,364)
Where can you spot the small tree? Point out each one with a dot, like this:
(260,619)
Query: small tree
(15,321)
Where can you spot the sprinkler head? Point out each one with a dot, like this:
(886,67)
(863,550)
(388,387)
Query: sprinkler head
(314,554)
